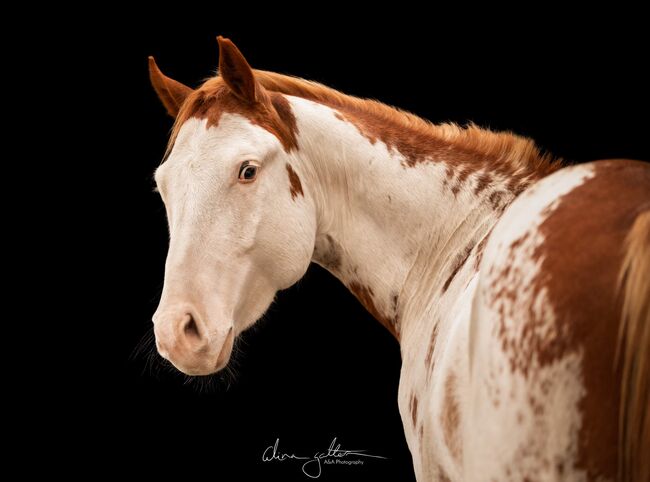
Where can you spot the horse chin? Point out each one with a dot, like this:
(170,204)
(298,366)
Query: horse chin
(196,371)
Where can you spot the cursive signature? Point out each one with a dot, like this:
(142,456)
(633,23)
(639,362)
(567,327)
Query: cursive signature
(313,466)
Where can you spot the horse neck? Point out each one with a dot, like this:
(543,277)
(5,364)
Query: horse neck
(395,235)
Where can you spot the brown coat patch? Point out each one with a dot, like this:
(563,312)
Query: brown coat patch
(442,475)
(480,247)
(366,296)
(483,181)
(428,359)
(413,407)
(329,256)
(295,185)
(285,112)
(271,111)
(496,200)
(580,258)
(459,261)
(450,418)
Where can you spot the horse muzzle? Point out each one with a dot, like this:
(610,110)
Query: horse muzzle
(189,344)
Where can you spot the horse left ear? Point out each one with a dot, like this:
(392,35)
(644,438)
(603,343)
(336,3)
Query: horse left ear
(170,92)
(235,71)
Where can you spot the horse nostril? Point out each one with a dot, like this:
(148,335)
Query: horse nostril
(190,329)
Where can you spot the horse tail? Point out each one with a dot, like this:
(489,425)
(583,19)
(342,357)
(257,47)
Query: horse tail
(634,353)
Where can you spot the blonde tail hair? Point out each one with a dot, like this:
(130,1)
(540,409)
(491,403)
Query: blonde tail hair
(634,351)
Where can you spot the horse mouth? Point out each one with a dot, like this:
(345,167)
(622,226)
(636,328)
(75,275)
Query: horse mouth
(202,364)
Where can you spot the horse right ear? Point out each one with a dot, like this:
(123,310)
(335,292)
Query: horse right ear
(170,92)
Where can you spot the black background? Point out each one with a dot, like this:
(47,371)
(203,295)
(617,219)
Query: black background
(317,366)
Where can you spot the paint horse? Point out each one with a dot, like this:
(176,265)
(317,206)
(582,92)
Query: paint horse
(517,288)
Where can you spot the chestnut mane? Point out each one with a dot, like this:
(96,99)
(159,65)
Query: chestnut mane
(416,138)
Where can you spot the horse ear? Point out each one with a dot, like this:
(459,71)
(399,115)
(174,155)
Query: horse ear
(235,71)
(170,92)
